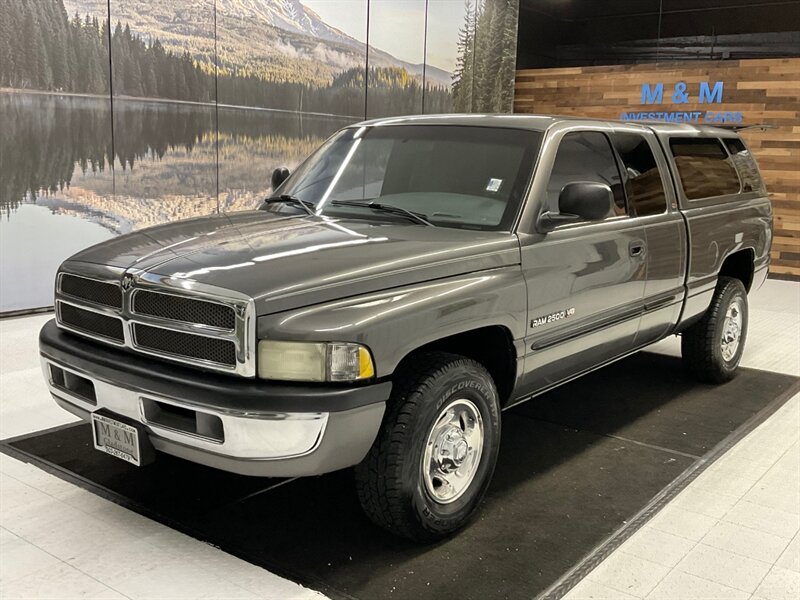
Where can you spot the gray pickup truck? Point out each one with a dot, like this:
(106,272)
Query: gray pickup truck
(412,279)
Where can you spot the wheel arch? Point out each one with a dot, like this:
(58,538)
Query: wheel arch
(492,346)
(740,265)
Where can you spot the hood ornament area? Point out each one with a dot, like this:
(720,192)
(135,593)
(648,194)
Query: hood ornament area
(127,282)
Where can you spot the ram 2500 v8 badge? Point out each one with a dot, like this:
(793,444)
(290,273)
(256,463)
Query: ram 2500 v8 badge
(413,278)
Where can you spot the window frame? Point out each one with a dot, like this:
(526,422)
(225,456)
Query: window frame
(663,169)
(604,131)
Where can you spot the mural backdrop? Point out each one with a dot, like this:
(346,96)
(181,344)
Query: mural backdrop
(124,114)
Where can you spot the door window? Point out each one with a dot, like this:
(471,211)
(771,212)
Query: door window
(586,156)
(643,185)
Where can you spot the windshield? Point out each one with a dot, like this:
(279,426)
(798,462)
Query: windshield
(451,176)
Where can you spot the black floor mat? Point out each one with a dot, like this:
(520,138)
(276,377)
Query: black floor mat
(575,465)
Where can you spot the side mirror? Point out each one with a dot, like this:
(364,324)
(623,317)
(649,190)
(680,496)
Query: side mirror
(279,175)
(589,200)
(579,201)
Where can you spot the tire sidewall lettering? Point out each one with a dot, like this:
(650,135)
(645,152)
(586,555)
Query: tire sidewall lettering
(463,385)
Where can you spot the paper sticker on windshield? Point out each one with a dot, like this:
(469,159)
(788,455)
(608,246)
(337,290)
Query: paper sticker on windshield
(494,185)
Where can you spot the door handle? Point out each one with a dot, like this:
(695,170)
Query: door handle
(636,248)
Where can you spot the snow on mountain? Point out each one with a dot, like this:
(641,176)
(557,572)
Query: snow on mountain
(289,15)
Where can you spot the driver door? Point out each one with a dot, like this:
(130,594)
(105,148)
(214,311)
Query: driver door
(586,279)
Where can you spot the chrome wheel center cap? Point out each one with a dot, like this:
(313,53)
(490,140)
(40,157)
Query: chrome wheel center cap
(453,451)
(453,448)
(460,451)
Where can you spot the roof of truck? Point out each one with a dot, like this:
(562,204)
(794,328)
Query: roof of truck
(532,122)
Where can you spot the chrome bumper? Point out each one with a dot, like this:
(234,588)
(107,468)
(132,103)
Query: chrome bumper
(273,444)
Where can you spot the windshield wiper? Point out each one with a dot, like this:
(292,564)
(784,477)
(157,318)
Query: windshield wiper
(390,208)
(295,201)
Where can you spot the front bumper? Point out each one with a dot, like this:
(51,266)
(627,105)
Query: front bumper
(239,425)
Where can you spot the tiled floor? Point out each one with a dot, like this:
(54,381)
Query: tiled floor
(59,541)
(733,533)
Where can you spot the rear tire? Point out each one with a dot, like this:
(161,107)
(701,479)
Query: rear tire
(713,347)
(435,454)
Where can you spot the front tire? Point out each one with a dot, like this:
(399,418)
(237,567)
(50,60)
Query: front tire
(713,347)
(435,454)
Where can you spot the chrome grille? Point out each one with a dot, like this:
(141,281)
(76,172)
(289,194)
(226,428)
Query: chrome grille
(201,326)
(91,322)
(185,344)
(99,292)
(186,310)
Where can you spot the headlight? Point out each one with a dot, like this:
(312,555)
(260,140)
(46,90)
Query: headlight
(310,361)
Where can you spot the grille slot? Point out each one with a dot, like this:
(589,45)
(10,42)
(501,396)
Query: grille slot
(204,327)
(91,290)
(188,310)
(91,322)
(177,343)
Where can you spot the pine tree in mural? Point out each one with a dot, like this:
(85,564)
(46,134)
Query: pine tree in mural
(44,49)
(484,76)
(462,77)
(508,60)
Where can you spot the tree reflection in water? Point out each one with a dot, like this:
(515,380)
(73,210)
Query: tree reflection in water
(57,149)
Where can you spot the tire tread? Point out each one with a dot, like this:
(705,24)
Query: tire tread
(378,476)
(699,343)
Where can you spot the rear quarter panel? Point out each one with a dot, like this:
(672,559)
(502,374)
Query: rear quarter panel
(718,227)
(716,232)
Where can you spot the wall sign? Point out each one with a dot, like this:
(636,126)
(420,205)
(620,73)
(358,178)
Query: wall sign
(706,93)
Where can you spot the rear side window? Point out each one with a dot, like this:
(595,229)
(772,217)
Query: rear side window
(745,164)
(586,156)
(704,166)
(642,179)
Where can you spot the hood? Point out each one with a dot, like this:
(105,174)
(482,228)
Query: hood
(288,262)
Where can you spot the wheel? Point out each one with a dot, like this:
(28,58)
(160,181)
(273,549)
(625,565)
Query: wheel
(434,456)
(712,347)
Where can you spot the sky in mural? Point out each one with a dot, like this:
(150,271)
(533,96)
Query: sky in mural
(445,17)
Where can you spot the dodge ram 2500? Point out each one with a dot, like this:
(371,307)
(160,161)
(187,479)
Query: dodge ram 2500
(409,281)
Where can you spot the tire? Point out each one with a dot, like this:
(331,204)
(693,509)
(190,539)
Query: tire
(394,489)
(713,347)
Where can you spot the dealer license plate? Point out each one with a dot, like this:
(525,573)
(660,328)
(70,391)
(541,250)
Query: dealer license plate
(116,438)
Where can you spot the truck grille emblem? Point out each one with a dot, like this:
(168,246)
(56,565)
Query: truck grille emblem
(127,281)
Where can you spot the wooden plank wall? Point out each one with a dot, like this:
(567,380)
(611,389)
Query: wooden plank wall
(766,91)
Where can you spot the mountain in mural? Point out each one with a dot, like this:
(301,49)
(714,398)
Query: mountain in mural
(289,15)
(294,17)
(276,40)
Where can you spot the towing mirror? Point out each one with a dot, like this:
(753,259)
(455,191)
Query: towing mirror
(279,175)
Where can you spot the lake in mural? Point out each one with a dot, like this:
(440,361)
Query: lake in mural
(59,192)
(207,98)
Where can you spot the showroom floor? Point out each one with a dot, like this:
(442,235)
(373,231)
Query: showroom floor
(732,533)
